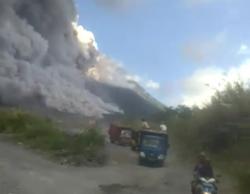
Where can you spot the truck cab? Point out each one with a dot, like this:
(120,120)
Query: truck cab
(153,147)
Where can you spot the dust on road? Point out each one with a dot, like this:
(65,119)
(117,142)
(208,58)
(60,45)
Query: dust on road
(23,172)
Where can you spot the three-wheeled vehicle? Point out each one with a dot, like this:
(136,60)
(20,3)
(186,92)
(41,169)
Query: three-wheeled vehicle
(153,147)
(120,135)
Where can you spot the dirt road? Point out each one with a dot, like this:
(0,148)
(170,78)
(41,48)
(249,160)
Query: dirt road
(23,172)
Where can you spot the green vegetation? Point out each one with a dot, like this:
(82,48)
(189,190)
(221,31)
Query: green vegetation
(222,129)
(42,134)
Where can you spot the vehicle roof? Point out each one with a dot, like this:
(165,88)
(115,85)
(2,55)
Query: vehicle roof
(121,127)
(154,131)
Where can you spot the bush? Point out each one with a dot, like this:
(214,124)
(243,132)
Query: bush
(244,182)
(42,134)
(222,128)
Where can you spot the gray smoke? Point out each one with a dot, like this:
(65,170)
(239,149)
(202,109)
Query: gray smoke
(40,56)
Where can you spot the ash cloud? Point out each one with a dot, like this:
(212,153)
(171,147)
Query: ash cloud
(41,56)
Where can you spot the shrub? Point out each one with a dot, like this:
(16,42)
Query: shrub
(221,128)
(42,134)
(244,182)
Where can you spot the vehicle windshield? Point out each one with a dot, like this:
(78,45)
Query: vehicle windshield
(126,133)
(151,141)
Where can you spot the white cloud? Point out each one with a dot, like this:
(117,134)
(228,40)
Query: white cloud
(243,50)
(135,78)
(85,37)
(109,71)
(203,83)
(240,73)
(201,86)
(150,84)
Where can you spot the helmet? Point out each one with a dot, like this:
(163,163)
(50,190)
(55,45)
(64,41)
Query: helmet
(203,156)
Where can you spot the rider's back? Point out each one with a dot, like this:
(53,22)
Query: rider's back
(204,169)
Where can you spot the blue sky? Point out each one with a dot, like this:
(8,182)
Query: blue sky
(175,43)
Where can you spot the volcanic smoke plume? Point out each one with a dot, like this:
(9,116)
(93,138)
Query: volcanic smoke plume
(45,54)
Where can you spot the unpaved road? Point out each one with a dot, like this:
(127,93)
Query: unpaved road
(23,172)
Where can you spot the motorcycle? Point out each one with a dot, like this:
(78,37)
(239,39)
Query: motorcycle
(208,186)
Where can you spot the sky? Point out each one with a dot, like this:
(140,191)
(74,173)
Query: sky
(181,51)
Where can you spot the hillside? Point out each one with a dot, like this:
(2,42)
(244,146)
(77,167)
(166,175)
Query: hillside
(133,102)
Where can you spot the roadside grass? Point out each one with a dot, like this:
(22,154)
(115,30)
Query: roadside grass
(238,165)
(221,128)
(244,182)
(233,161)
(43,135)
(239,171)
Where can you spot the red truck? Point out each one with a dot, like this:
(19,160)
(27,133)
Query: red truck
(120,135)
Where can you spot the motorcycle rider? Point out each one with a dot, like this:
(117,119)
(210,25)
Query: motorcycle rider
(204,169)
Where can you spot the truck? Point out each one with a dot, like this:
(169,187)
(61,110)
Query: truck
(120,135)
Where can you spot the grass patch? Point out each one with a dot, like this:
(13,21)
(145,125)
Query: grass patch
(42,134)
(244,182)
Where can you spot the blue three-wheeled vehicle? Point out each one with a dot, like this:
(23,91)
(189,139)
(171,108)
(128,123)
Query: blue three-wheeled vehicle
(153,147)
